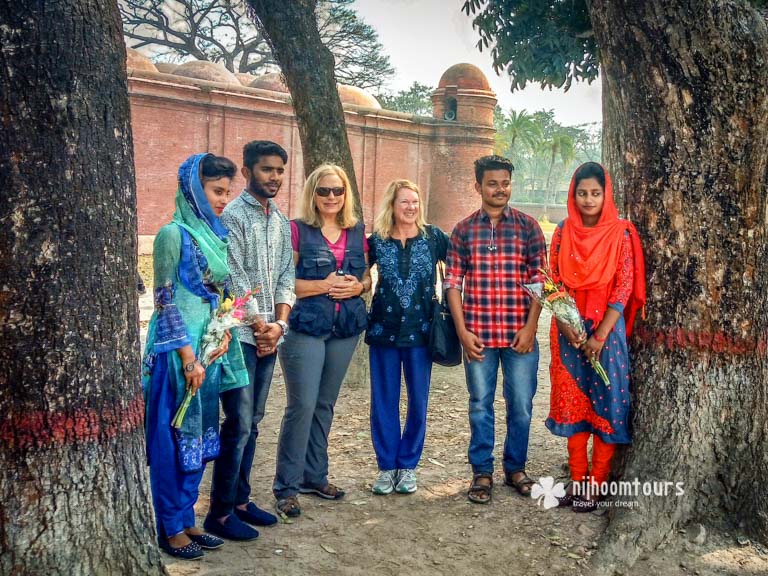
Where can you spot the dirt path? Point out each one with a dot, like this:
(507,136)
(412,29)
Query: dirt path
(435,531)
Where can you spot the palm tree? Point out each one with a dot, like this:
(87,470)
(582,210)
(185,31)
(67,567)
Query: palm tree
(559,144)
(517,127)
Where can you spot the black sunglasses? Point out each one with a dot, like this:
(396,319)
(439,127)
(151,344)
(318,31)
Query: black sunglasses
(325,192)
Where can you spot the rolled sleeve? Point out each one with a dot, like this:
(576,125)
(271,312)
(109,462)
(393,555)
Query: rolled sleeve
(457,258)
(537,253)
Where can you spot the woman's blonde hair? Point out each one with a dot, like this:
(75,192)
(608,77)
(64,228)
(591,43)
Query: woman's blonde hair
(346,218)
(385,219)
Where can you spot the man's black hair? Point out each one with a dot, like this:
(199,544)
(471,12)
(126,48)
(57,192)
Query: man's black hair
(485,163)
(253,151)
(215,167)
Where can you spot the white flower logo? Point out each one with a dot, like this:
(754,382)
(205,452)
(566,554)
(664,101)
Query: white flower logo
(546,489)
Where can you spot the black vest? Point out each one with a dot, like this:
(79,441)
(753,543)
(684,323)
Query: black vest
(316,315)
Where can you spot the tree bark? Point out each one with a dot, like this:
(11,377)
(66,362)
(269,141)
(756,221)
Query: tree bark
(308,67)
(686,115)
(72,477)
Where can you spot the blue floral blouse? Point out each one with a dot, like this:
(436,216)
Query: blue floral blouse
(401,311)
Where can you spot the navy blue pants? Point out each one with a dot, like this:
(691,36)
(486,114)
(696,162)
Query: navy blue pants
(174,492)
(393,449)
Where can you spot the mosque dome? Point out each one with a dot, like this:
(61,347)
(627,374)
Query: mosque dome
(245,78)
(204,70)
(166,67)
(137,61)
(464,76)
(357,96)
(272,81)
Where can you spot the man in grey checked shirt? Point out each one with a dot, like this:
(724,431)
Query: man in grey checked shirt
(260,257)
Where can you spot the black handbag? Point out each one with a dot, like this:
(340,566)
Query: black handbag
(444,345)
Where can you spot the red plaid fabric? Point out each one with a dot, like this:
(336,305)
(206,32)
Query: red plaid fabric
(488,263)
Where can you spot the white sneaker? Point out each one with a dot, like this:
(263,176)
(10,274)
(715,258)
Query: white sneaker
(406,482)
(385,483)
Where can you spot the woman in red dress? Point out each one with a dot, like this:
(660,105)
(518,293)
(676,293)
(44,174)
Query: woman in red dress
(599,259)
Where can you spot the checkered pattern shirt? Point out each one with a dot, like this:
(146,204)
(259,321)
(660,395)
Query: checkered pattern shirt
(488,263)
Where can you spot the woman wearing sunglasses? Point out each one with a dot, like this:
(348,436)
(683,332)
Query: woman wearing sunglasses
(330,252)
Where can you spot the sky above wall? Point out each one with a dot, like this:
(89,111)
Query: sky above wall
(425,37)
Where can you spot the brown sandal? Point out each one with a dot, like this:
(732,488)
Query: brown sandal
(327,492)
(523,485)
(480,493)
(288,506)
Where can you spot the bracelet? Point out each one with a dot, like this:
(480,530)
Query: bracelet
(596,337)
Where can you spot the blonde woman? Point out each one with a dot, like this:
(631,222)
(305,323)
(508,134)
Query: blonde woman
(330,252)
(406,249)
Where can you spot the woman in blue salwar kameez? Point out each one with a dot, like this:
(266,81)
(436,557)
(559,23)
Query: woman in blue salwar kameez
(190,279)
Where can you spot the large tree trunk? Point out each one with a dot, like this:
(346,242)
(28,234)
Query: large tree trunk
(72,477)
(291,30)
(687,136)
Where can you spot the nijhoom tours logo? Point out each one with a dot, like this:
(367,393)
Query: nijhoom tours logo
(624,493)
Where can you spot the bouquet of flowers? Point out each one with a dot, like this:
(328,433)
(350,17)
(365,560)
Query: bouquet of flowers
(552,296)
(229,314)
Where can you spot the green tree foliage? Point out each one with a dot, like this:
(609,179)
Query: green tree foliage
(415,100)
(220,31)
(515,129)
(548,42)
(544,152)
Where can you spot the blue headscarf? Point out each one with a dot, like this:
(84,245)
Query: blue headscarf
(191,186)
(204,237)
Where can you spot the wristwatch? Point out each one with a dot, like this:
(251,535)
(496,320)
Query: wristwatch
(191,366)
(283,326)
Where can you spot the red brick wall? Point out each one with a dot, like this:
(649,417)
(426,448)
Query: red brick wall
(174,117)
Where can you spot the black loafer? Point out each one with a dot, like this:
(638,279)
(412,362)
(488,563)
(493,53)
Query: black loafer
(191,551)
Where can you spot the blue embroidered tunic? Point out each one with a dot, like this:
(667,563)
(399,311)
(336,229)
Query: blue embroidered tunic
(401,311)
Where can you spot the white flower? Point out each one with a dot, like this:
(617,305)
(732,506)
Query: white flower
(546,489)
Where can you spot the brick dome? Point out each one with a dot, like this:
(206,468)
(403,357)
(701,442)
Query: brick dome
(272,81)
(135,60)
(357,96)
(166,67)
(245,79)
(203,70)
(464,76)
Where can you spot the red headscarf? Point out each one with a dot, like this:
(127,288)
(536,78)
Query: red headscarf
(589,258)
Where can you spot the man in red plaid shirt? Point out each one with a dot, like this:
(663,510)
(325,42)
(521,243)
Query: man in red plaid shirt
(491,253)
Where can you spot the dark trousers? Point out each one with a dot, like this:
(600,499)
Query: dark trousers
(243,410)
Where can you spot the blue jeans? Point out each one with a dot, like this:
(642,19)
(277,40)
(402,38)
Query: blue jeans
(313,369)
(243,410)
(394,451)
(519,377)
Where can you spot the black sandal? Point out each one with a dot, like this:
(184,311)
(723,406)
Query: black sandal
(523,485)
(480,493)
